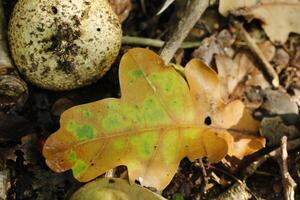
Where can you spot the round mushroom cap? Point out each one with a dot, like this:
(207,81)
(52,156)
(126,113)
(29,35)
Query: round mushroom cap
(64,44)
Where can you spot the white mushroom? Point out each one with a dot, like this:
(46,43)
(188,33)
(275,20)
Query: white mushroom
(64,44)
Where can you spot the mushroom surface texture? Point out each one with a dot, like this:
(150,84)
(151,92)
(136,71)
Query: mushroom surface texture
(64,44)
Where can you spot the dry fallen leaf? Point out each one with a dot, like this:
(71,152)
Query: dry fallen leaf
(122,8)
(268,49)
(158,120)
(278,19)
(113,189)
(232,72)
(214,45)
(226,6)
(235,74)
(278,103)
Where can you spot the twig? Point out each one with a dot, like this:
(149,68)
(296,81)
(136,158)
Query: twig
(189,19)
(132,40)
(259,54)
(205,177)
(276,153)
(289,184)
(13,90)
(238,187)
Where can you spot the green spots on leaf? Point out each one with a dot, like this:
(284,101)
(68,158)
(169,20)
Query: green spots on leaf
(144,144)
(85,132)
(71,126)
(81,132)
(79,167)
(113,105)
(119,144)
(115,121)
(136,73)
(72,156)
(87,114)
(171,146)
(166,80)
(153,112)
(133,113)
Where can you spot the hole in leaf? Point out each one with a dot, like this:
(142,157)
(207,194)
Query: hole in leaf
(207,120)
(54,10)
(98,29)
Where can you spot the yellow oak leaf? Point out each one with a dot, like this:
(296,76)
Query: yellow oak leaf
(159,119)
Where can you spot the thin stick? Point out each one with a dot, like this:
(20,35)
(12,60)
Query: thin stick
(248,171)
(288,182)
(132,40)
(259,54)
(291,145)
(13,90)
(189,19)
(205,177)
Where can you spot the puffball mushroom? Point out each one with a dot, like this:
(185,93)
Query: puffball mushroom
(64,44)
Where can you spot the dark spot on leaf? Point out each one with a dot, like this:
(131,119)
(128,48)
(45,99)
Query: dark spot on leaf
(207,121)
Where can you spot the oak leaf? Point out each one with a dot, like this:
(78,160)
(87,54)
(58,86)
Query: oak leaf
(278,19)
(226,6)
(159,120)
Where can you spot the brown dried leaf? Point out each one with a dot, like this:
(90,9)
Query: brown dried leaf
(61,105)
(278,19)
(227,5)
(122,8)
(268,50)
(237,73)
(215,44)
